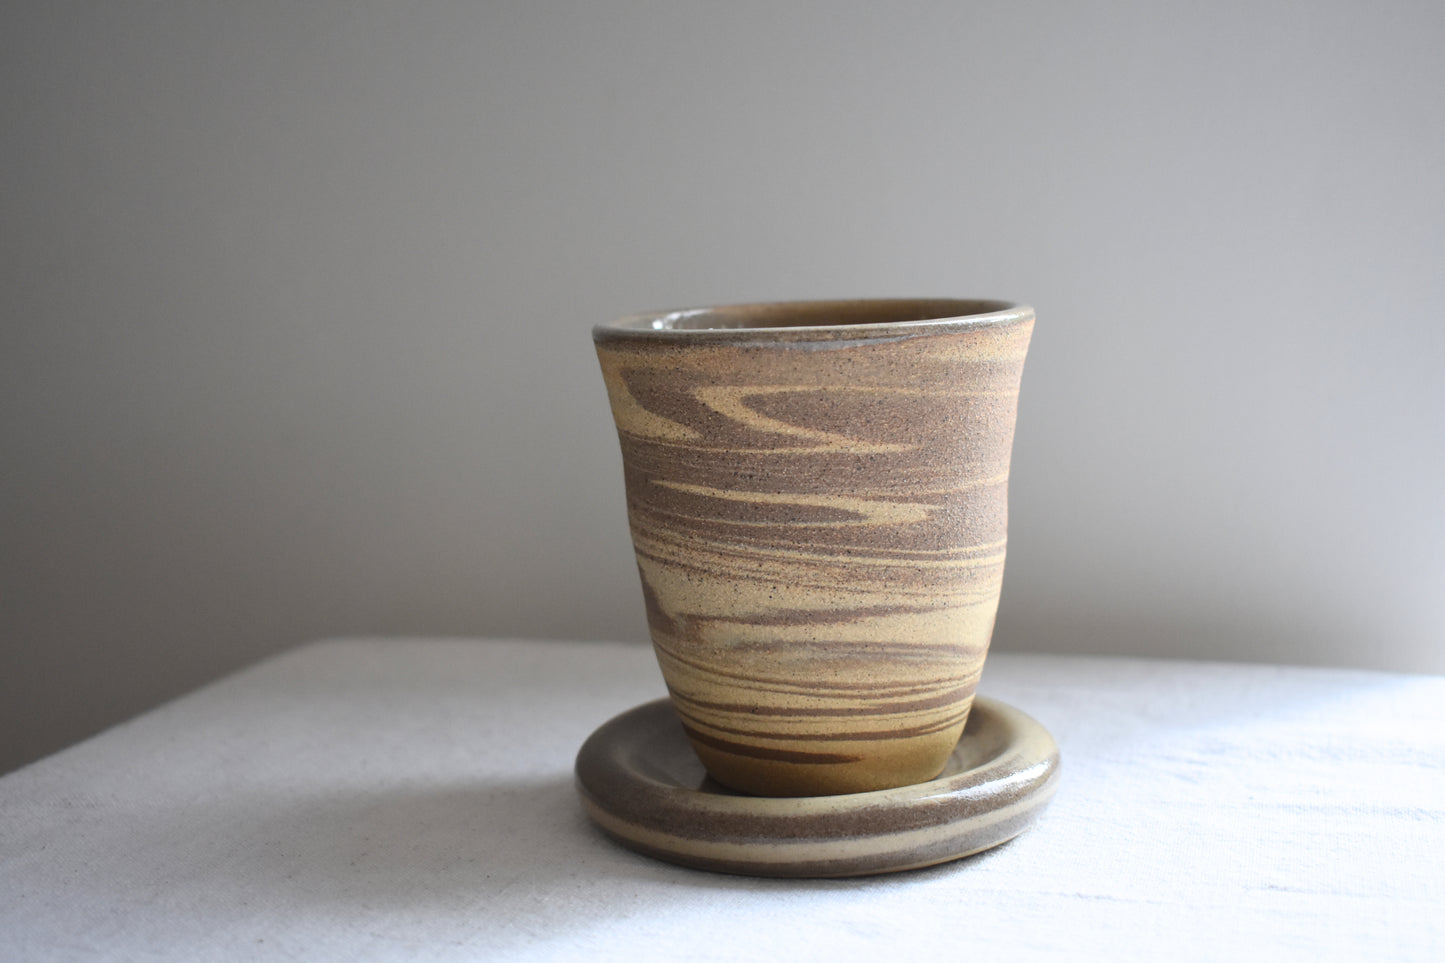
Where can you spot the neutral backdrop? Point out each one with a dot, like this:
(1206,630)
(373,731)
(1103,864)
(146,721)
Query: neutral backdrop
(295,301)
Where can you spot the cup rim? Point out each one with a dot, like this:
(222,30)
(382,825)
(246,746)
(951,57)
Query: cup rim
(935,314)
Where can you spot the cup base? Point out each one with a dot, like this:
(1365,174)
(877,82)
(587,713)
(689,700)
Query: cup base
(886,765)
(641,782)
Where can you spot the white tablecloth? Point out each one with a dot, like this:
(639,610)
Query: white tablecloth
(400,799)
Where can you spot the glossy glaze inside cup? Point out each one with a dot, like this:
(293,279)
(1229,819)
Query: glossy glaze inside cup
(817,314)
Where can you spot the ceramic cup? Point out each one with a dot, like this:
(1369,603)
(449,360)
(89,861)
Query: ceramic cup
(818,497)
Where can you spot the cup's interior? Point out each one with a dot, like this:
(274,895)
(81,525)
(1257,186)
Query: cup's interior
(807,314)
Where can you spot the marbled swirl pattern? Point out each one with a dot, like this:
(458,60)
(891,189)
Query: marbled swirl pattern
(818,501)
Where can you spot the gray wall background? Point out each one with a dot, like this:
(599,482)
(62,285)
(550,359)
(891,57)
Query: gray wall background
(295,299)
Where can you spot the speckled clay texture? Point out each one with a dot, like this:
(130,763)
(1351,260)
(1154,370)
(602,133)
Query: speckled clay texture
(818,496)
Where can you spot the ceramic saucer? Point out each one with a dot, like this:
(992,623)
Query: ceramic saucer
(642,784)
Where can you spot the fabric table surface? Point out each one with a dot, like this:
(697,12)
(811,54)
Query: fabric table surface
(378,799)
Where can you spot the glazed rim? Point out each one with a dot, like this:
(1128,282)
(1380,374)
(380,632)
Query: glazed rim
(812,320)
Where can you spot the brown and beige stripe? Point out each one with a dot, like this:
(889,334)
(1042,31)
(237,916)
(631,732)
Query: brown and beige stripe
(818,501)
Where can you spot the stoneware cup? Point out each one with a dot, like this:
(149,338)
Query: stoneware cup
(818,496)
